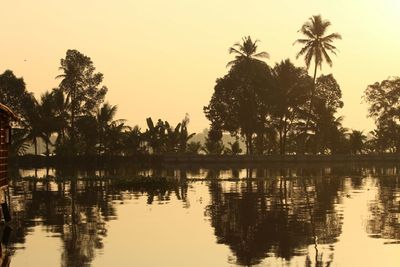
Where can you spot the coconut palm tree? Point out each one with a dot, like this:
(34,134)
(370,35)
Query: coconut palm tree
(249,68)
(133,141)
(317,44)
(51,122)
(31,123)
(357,141)
(247,50)
(106,124)
(193,147)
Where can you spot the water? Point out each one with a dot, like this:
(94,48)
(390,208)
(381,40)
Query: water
(265,216)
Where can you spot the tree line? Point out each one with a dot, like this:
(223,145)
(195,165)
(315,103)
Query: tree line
(281,109)
(278,109)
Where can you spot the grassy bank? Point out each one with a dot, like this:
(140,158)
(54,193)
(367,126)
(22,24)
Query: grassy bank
(173,159)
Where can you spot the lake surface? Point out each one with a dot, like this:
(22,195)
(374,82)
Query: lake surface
(222,216)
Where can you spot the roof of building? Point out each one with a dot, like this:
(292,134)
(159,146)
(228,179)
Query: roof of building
(8,111)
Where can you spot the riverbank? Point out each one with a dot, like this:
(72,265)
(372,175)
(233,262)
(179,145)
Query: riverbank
(174,159)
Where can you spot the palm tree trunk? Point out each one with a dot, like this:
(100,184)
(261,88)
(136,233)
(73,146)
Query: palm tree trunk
(311,104)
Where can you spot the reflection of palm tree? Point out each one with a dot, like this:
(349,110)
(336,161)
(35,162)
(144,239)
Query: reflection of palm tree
(274,216)
(247,50)
(78,215)
(316,45)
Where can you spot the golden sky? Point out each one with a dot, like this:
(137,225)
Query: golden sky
(161,58)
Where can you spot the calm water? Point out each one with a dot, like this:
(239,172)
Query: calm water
(296,216)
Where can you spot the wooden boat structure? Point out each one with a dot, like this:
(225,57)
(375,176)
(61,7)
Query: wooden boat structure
(6,117)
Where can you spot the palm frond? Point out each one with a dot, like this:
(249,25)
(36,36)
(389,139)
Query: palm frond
(327,58)
(307,58)
(301,41)
(329,38)
(262,55)
(233,50)
(307,32)
(304,50)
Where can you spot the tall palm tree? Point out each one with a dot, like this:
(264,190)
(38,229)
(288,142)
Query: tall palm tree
(317,43)
(247,50)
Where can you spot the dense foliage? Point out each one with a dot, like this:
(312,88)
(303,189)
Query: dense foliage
(271,109)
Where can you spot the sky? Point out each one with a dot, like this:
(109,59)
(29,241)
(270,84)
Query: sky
(161,58)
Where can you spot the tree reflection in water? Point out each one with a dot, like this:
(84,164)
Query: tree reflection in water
(76,209)
(384,221)
(280,216)
(260,214)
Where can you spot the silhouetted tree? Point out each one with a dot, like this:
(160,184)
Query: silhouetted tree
(105,120)
(329,135)
(57,104)
(233,149)
(236,105)
(213,144)
(357,141)
(290,95)
(246,51)
(87,135)
(133,141)
(82,88)
(13,93)
(383,99)
(183,135)
(49,117)
(114,141)
(163,138)
(317,44)
(32,122)
(194,147)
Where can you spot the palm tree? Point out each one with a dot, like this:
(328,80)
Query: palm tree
(50,122)
(115,137)
(357,141)
(247,50)
(106,123)
(317,44)
(193,147)
(71,78)
(133,141)
(248,60)
(32,122)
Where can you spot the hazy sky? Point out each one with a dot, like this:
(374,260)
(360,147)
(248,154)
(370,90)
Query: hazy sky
(161,58)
